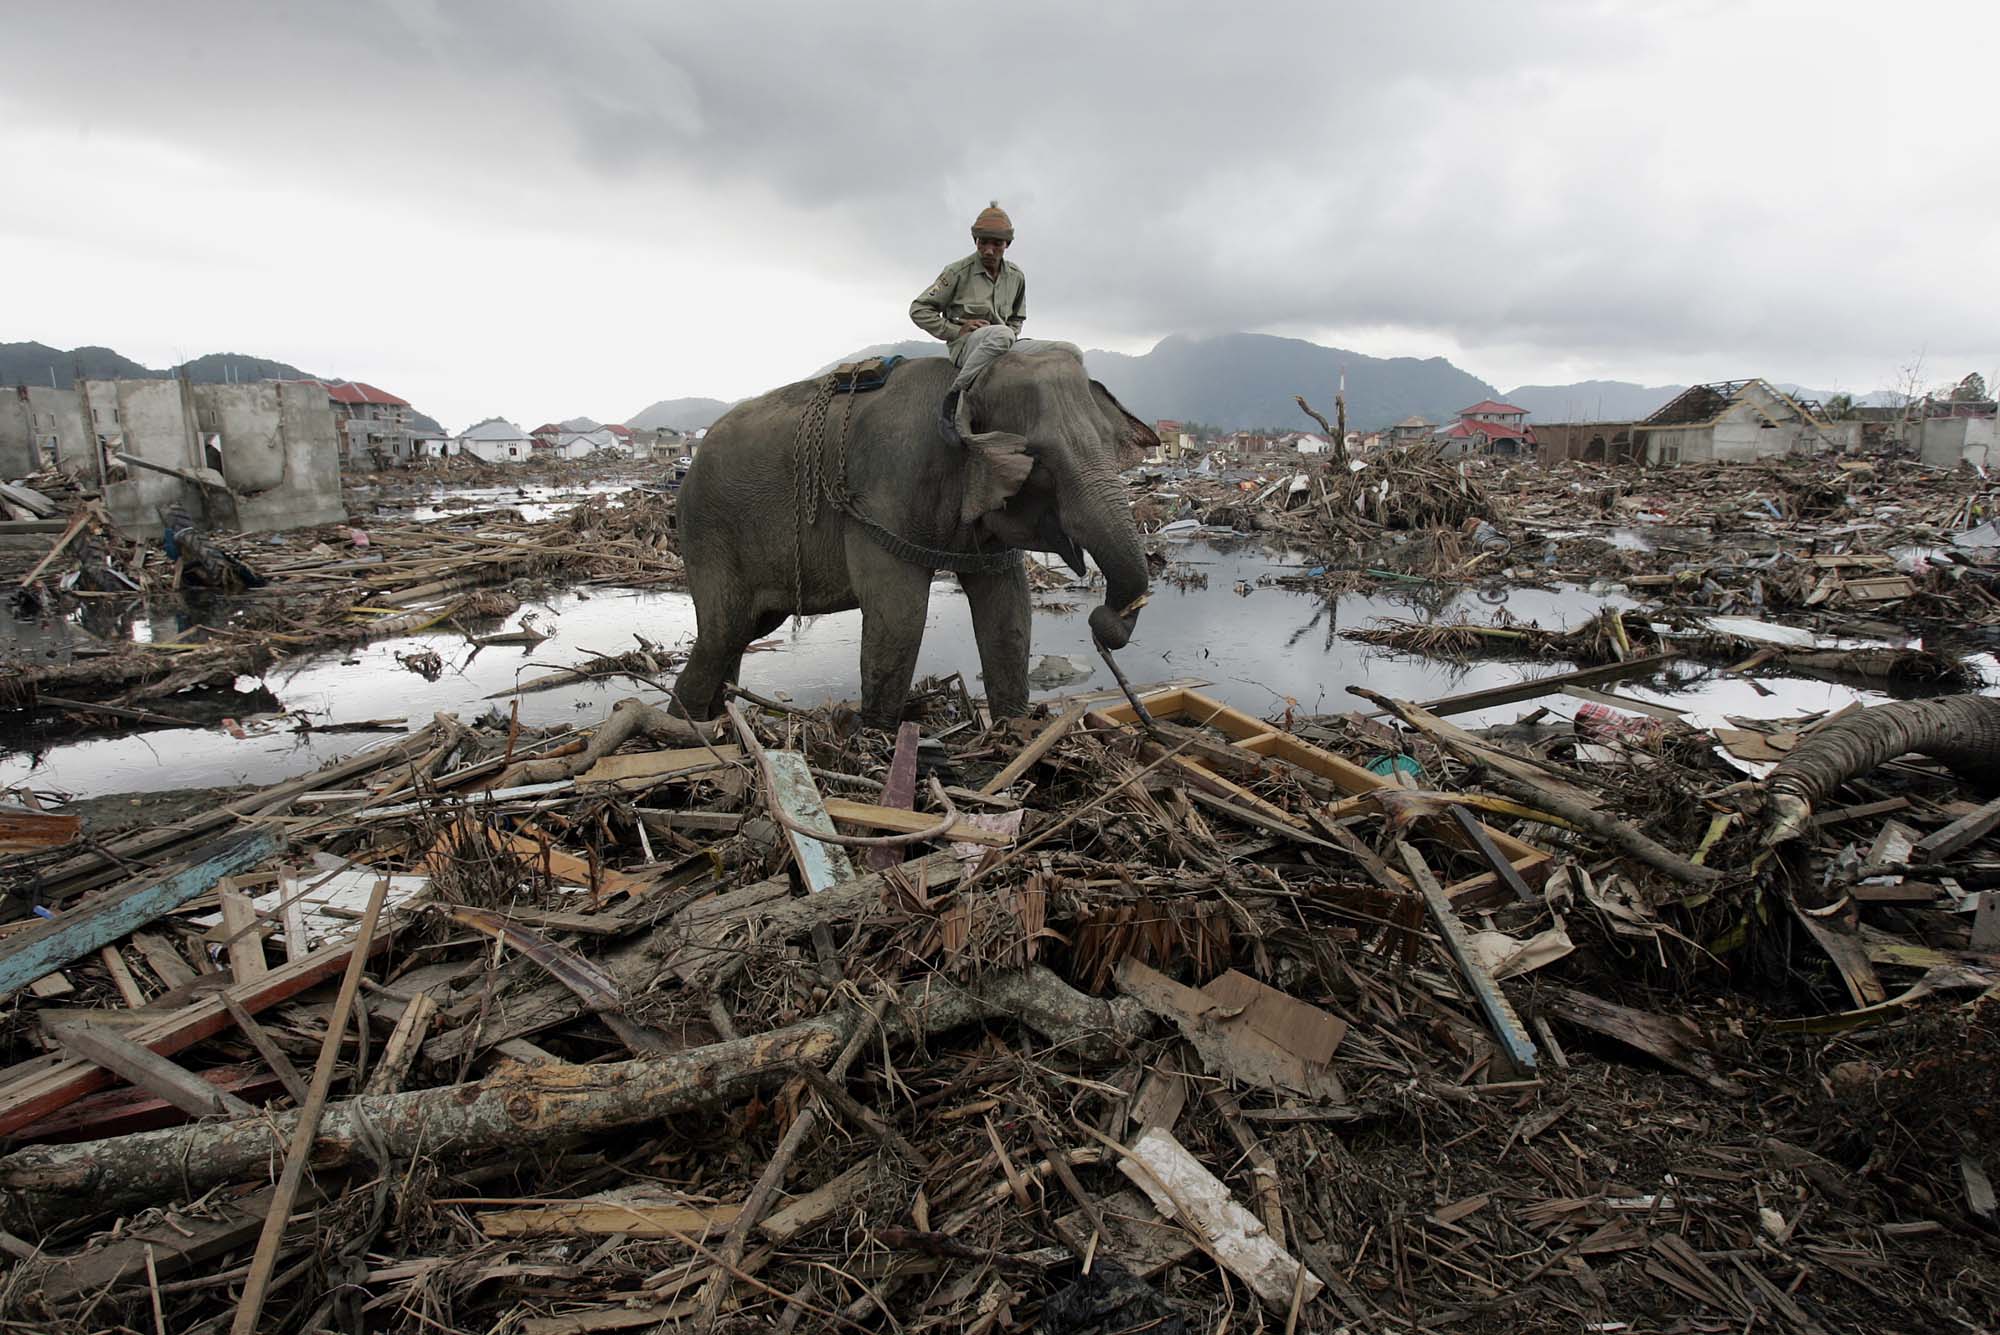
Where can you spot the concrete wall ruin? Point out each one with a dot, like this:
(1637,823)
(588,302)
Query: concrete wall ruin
(277,445)
(1947,442)
(273,443)
(67,441)
(151,420)
(42,427)
(19,455)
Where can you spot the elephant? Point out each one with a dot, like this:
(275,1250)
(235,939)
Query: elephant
(1034,468)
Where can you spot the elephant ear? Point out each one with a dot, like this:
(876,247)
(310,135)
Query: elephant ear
(1134,439)
(996,464)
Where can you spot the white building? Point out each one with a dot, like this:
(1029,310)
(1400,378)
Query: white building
(1731,421)
(582,444)
(496,440)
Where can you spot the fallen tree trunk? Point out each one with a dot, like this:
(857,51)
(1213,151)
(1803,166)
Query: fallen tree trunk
(527,1106)
(629,718)
(1627,839)
(1963,731)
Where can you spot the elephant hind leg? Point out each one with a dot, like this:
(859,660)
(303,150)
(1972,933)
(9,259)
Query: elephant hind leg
(717,661)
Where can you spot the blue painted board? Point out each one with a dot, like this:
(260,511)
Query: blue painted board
(119,910)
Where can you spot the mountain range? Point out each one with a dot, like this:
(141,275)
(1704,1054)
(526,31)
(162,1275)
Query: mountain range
(40,364)
(1246,382)
(1230,381)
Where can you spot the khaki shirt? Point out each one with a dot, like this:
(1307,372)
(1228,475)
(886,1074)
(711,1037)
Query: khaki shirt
(963,287)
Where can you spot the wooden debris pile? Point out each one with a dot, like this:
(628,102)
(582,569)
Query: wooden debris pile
(321,588)
(1102,1021)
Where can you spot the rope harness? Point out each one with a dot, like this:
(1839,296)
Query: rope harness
(819,481)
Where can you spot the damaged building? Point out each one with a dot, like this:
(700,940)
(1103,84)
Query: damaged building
(254,457)
(1954,433)
(1734,421)
(1588,442)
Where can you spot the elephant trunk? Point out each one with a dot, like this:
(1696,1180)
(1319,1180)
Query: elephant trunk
(1100,520)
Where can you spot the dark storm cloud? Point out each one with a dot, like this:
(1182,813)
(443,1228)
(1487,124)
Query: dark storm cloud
(1584,178)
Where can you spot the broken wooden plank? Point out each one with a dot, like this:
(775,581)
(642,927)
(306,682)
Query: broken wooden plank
(1669,1039)
(1045,741)
(22,829)
(1245,1030)
(646,768)
(121,977)
(1134,1235)
(115,912)
(1183,1190)
(167,963)
(151,1072)
(605,1214)
(44,1090)
(898,791)
(178,1244)
(244,931)
(1957,836)
(820,864)
(267,1048)
(1482,842)
(872,817)
(400,1054)
(818,1205)
(1515,1043)
(1465,703)
(1849,956)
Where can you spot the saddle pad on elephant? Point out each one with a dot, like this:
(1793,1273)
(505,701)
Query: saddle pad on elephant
(866,374)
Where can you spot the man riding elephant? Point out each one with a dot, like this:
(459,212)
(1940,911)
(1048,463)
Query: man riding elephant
(977,306)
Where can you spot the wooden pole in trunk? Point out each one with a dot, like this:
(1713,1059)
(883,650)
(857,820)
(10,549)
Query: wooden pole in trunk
(258,1282)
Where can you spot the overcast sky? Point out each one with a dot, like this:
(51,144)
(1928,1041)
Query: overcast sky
(543,210)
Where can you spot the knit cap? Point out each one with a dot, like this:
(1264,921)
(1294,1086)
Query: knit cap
(994,222)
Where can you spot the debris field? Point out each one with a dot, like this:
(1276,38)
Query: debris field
(1139,1014)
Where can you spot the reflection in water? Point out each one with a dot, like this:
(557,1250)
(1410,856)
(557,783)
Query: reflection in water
(1258,650)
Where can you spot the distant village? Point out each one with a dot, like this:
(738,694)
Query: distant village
(269,454)
(1726,421)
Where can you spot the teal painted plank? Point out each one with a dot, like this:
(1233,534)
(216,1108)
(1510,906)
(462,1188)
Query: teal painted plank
(821,864)
(119,910)
(1506,1025)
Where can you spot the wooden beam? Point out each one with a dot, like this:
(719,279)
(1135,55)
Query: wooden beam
(110,914)
(1958,835)
(257,1284)
(267,1048)
(245,933)
(151,1072)
(1500,1016)
(1045,741)
(121,977)
(870,816)
(43,1087)
(167,963)
(404,1041)
(1514,693)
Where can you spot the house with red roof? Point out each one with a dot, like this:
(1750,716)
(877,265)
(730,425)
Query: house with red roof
(374,424)
(1490,427)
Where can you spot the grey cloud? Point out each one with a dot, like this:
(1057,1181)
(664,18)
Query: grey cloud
(1518,174)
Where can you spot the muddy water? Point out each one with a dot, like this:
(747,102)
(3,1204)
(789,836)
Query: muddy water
(1261,647)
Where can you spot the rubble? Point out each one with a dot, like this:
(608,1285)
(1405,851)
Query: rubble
(1210,1017)
(1142,1013)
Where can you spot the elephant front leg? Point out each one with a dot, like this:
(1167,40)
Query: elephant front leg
(1000,617)
(895,599)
